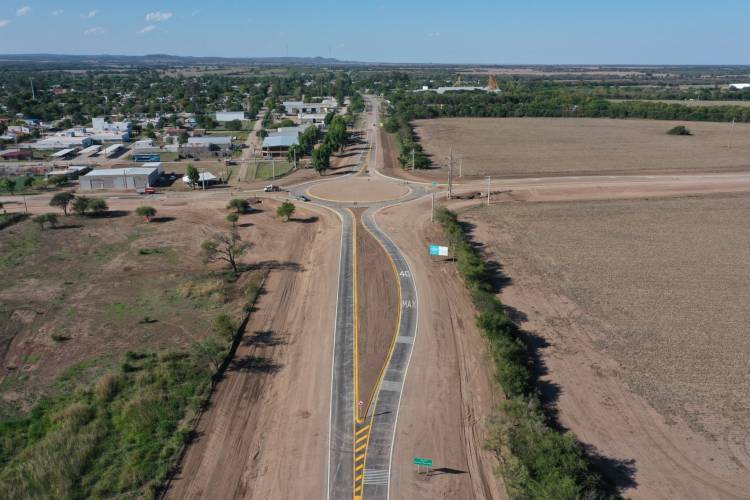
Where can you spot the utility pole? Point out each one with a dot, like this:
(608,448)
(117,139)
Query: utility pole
(450,175)
(488,190)
(273,169)
(461,167)
(731,133)
(432,211)
(33,92)
(412,159)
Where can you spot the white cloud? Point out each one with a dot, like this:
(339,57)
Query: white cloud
(94,32)
(158,16)
(57,12)
(4,23)
(23,10)
(90,14)
(147,29)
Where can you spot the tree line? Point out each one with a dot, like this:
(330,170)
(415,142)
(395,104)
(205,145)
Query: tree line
(536,460)
(554,102)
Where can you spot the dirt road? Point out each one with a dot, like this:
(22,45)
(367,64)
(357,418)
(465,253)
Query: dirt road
(264,434)
(449,392)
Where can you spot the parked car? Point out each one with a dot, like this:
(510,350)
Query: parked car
(271,188)
(302,197)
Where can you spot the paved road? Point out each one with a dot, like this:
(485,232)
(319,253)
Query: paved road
(360,449)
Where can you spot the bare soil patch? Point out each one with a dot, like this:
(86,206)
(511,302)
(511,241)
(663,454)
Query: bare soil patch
(449,393)
(359,189)
(640,306)
(530,147)
(377,310)
(264,433)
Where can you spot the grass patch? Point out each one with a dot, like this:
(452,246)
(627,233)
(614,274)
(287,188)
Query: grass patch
(168,253)
(536,460)
(266,169)
(115,439)
(18,247)
(7,220)
(105,253)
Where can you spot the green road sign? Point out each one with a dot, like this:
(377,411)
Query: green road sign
(425,462)
(434,184)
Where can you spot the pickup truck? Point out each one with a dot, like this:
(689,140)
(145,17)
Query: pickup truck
(146,190)
(270,188)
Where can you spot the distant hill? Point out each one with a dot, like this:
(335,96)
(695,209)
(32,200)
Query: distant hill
(168,60)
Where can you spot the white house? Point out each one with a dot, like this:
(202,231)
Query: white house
(228,116)
(62,142)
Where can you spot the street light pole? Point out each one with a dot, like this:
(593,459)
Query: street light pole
(432,210)
(450,176)
(488,190)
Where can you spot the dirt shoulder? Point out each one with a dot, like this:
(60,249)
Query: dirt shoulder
(449,393)
(637,308)
(265,433)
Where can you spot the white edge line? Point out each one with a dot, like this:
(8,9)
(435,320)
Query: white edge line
(333,353)
(411,351)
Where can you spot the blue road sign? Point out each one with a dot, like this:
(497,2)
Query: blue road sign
(434,249)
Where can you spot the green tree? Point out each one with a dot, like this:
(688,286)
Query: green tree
(211,351)
(285,210)
(240,205)
(321,159)
(8,185)
(27,182)
(57,180)
(183,139)
(232,219)
(146,212)
(97,206)
(225,248)
(233,125)
(80,205)
(45,220)
(62,201)
(294,154)
(224,327)
(192,175)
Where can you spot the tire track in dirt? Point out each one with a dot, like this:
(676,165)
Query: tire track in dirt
(263,433)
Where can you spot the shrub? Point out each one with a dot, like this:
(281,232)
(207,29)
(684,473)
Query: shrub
(239,205)
(97,206)
(146,212)
(285,210)
(679,130)
(537,461)
(107,386)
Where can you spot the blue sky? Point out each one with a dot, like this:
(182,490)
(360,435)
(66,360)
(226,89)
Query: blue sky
(490,32)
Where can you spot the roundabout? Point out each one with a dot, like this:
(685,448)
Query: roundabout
(361,190)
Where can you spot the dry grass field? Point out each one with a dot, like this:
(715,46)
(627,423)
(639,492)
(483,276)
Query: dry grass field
(536,147)
(85,293)
(639,300)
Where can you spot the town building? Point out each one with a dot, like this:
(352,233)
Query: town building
(228,116)
(212,142)
(62,142)
(122,178)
